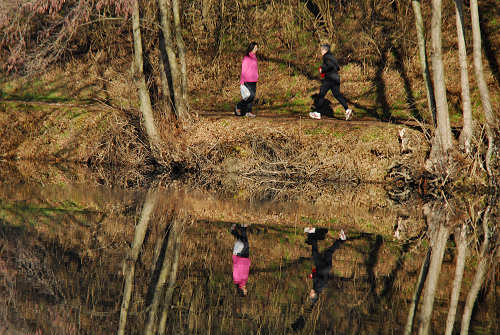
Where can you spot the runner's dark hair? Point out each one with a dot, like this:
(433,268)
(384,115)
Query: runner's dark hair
(250,48)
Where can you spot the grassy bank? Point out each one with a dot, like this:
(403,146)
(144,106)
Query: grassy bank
(84,109)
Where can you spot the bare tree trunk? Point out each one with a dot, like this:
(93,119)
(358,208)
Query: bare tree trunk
(159,291)
(491,120)
(170,289)
(416,295)
(424,63)
(437,218)
(461,240)
(133,255)
(165,84)
(176,73)
(140,82)
(466,134)
(478,280)
(182,52)
(442,142)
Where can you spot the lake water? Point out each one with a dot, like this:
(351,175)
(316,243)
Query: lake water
(77,257)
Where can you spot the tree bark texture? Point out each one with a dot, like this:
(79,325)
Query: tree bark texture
(129,266)
(140,81)
(181,50)
(179,106)
(491,119)
(424,63)
(466,134)
(443,140)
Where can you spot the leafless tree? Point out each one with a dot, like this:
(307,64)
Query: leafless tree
(416,295)
(466,134)
(442,142)
(437,221)
(140,81)
(461,242)
(133,255)
(176,61)
(482,267)
(492,128)
(424,63)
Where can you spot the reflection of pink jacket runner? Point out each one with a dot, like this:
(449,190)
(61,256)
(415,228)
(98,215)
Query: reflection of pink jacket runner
(241,268)
(249,69)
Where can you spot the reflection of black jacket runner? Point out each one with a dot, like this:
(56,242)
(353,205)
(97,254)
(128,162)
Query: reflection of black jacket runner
(323,260)
(330,68)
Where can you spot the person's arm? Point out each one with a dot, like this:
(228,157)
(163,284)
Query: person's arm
(329,64)
(244,69)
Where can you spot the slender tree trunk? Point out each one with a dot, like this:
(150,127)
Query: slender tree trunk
(466,135)
(170,289)
(159,291)
(442,142)
(176,73)
(424,63)
(165,84)
(461,240)
(491,119)
(133,255)
(140,81)
(182,52)
(478,280)
(437,219)
(416,295)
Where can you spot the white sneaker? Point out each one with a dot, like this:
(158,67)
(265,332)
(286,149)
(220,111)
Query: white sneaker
(249,114)
(342,235)
(309,230)
(315,115)
(348,114)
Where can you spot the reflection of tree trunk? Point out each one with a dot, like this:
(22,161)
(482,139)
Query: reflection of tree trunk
(170,288)
(466,134)
(129,266)
(168,266)
(478,280)
(491,120)
(461,241)
(416,296)
(442,142)
(436,221)
(424,63)
(140,81)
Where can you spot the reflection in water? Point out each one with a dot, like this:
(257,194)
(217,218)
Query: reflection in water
(437,216)
(133,255)
(77,260)
(320,273)
(484,258)
(241,258)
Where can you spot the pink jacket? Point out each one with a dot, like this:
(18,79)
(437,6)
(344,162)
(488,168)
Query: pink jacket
(241,269)
(249,69)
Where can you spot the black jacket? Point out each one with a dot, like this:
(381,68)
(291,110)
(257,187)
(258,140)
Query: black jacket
(330,68)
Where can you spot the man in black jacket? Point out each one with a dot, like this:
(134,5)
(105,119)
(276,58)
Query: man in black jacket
(329,70)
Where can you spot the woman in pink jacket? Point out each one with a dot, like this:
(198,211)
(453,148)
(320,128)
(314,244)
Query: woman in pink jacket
(249,78)
(241,258)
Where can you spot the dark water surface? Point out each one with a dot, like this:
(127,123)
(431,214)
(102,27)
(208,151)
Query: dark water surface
(81,258)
